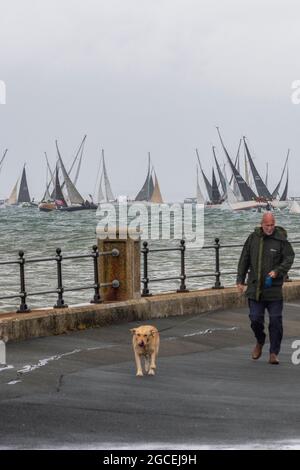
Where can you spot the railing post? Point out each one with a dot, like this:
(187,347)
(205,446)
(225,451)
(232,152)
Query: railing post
(217,270)
(23,307)
(145,280)
(182,287)
(97,298)
(123,264)
(60,290)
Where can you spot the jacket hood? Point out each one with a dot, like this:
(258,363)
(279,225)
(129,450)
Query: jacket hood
(279,233)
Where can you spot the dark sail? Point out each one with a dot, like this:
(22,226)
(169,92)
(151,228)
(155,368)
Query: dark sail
(148,187)
(216,196)
(285,192)
(221,176)
(237,160)
(275,192)
(57,193)
(206,181)
(246,192)
(23,190)
(261,188)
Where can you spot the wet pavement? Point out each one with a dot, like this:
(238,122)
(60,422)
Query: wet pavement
(79,390)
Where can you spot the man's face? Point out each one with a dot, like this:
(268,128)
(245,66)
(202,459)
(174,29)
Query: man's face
(268,226)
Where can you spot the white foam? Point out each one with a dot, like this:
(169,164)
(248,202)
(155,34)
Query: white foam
(13,382)
(6,368)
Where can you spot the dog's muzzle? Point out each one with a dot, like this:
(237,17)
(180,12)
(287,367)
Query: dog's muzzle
(141,344)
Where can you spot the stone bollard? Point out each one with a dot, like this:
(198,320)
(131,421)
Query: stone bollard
(2,353)
(126,268)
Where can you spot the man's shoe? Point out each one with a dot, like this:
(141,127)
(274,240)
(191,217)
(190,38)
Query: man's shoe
(273,359)
(257,351)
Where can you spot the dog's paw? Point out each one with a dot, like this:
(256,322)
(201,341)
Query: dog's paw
(139,374)
(151,372)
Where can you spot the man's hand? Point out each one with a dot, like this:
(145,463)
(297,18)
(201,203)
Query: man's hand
(240,287)
(273,274)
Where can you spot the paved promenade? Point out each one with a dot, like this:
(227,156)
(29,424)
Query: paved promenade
(79,390)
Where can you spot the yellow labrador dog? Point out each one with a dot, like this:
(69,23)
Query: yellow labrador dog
(145,343)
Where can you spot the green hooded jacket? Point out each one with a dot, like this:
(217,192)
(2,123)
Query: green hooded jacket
(260,255)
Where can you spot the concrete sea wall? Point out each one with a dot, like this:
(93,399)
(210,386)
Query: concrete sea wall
(47,322)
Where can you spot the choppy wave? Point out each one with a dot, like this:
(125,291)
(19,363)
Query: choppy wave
(38,234)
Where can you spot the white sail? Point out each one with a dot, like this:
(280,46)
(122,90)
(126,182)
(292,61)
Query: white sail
(199,195)
(13,197)
(108,191)
(100,197)
(230,196)
(294,208)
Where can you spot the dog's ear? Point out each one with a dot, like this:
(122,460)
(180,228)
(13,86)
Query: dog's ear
(133,331)
(152,332)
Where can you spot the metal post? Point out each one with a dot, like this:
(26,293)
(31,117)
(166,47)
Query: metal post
(182,287)
(145,280)
(23,307)
(97,298)
(60,301)
(218,273)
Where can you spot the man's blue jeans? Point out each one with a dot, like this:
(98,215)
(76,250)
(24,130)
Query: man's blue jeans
(257,318)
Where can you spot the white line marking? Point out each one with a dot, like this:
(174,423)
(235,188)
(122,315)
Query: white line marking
(202,332)
(43,362)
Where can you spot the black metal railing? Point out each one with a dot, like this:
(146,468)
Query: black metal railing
(182,276)
(60,289)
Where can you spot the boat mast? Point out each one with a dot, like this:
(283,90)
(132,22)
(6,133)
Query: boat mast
(2,159)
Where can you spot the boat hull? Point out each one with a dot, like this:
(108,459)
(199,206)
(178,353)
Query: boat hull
(47,206)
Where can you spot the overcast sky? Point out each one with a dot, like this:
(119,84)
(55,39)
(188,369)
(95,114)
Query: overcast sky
(147,75)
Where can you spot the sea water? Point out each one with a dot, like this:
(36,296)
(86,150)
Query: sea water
(38,234)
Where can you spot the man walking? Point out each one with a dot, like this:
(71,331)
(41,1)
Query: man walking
(268,256)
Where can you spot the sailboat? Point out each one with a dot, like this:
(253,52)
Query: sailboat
(245,190)
(20,197)
(207,183)
(199,198)
(261,188)
(47,203)
(150,191)
(104,193)
(147,189)
(214,196)
(74,200)
(250,200)
(56,200)
(283,201)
